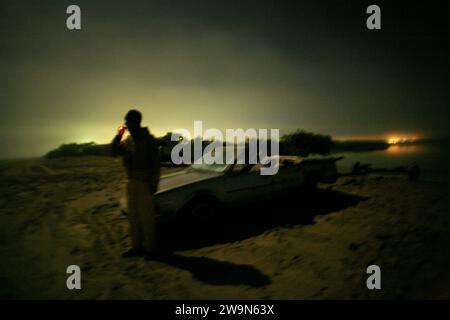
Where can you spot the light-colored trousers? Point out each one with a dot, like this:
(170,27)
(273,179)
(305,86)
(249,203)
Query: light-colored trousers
(141,215)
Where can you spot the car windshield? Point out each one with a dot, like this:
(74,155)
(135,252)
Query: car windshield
(210,167)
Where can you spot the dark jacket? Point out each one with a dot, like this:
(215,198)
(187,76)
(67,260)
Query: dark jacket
(140,157)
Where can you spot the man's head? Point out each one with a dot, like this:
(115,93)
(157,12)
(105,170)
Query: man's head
(133,120)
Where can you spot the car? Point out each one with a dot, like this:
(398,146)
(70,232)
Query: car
(201,189)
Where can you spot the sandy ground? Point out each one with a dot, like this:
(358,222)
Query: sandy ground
(55,213)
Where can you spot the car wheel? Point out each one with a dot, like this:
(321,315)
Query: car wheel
(202,210)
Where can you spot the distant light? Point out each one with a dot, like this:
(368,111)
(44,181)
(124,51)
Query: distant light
(393,140)
(397,140)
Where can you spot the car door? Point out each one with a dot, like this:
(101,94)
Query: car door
(287,179)
(243,184)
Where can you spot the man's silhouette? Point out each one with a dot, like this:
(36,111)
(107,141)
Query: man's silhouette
(141,161)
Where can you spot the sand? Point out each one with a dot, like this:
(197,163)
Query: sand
(60,212)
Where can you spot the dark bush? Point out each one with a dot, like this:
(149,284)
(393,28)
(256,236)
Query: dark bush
(79,149)
(302,143)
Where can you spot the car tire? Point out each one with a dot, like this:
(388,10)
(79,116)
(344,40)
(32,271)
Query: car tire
(201,210)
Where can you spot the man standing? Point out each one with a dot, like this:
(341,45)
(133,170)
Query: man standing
(141,161)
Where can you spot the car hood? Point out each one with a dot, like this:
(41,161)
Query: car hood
(184,177)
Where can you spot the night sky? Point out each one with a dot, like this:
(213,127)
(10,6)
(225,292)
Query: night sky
(233,64)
